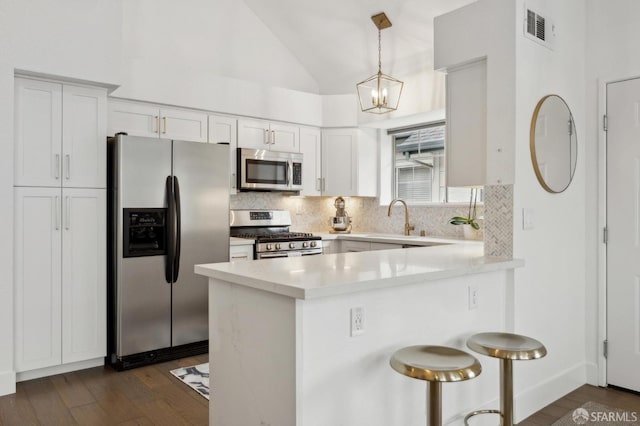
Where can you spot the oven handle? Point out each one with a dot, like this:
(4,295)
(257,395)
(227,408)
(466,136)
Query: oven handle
(289,173)
(272,255)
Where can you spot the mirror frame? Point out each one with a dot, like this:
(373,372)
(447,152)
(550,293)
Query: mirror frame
(532,145)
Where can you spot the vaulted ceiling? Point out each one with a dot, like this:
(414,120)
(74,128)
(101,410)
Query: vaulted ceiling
(336,41)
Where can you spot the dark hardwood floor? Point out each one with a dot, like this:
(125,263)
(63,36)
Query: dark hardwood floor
(152,396)
(101,396)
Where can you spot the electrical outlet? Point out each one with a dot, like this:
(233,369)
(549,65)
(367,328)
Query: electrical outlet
(357,321)
(473,297)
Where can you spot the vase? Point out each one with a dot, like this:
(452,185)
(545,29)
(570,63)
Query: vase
(470,233)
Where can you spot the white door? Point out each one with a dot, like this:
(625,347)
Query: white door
(253,134)
(84,285)
(623,223)
(38,133)
(311,149)
(133,119)
(183,125)
(37,266)
(84,140)
(284,138)
(339,162)
(224,130)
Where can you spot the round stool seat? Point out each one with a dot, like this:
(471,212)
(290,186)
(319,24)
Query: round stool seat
(435,363)
(506,346)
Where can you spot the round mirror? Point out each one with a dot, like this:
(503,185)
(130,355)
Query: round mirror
(554,143)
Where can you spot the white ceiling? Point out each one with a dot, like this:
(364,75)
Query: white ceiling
(336,41)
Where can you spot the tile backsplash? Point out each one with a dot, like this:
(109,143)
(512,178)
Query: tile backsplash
(311,214)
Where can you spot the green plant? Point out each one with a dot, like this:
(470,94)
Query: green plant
(471,218)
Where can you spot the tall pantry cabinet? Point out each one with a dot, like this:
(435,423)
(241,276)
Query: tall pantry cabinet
(60,224)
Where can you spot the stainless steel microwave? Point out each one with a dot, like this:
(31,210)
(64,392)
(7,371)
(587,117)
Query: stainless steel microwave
(262,170)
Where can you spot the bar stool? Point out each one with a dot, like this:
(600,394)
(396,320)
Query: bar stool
(507,347)
(435,364)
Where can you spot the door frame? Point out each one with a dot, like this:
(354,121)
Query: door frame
(601,302)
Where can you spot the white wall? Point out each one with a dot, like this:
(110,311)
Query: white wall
(68,38)
(613,40)
(550,290)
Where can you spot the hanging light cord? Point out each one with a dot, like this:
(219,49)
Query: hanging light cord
(379,51)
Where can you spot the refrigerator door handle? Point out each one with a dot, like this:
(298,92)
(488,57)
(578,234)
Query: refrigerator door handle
(168,272)
(177,235)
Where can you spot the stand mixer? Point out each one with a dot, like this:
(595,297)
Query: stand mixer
(341,222)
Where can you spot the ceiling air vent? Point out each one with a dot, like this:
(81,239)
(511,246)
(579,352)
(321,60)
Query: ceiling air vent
(538,28)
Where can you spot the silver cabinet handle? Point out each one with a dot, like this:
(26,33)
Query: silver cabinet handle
(319,184)
(267,137)
(156,124)
(273,137)
(233,180)
(57,213)
(240,256)
(164,125)
(57,166)
(68,169)
(68,213)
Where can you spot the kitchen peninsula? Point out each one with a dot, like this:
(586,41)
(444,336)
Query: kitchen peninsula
(283,350)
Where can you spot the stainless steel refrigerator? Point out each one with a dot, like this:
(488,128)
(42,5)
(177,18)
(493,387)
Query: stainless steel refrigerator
(168,211)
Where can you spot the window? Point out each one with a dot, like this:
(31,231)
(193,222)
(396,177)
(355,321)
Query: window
(419,166)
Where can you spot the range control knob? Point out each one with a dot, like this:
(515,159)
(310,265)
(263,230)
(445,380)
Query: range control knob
(305,244)
(292,245)
(269,246)
(278,246)
(313,244)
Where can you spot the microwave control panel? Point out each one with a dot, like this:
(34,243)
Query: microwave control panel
(297,174)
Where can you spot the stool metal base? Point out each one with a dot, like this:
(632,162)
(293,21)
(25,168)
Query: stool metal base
(434,403)
(475,413)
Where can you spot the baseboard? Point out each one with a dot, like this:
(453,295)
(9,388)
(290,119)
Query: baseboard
(58,369)
(593,374)
(544,393)
(7,382)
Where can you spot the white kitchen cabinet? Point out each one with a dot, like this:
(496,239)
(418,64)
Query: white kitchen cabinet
(60,276)
(240,252)
(384,246)
(272,136)
(353,246)
(60,135)
(466,141)
(154,121)
(349,162)
(331,246)
(223,130)
(311,149)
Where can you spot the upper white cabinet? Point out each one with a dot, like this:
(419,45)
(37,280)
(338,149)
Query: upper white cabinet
(466,141)
(311,149)
(349,162)
(260,134)
(60,135)
(223,130)
(156,122)
(60,276)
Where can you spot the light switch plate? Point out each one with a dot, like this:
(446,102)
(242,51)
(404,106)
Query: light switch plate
(528,219)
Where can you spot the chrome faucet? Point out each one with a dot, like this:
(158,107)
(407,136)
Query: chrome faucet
(407,227)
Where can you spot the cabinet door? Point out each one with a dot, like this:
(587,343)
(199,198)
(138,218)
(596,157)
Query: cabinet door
(385,246)
(134,119)
(284,138)
(84,289)
(311,149)
(253,134)
(339,161)
(243,252)
(466,141)
(352,246)
(84,137)
(38,133)
(37,268)
(183,125)
(224,130)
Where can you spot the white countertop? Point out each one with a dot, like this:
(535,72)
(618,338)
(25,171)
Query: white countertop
(335,274)
(397,239)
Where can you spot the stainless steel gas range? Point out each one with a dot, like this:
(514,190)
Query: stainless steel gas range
(270,230)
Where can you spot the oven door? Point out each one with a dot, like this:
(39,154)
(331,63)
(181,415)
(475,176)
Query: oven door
(262,170)
(291,253)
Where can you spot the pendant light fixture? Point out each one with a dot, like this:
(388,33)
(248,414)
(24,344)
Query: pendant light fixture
(380,93)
